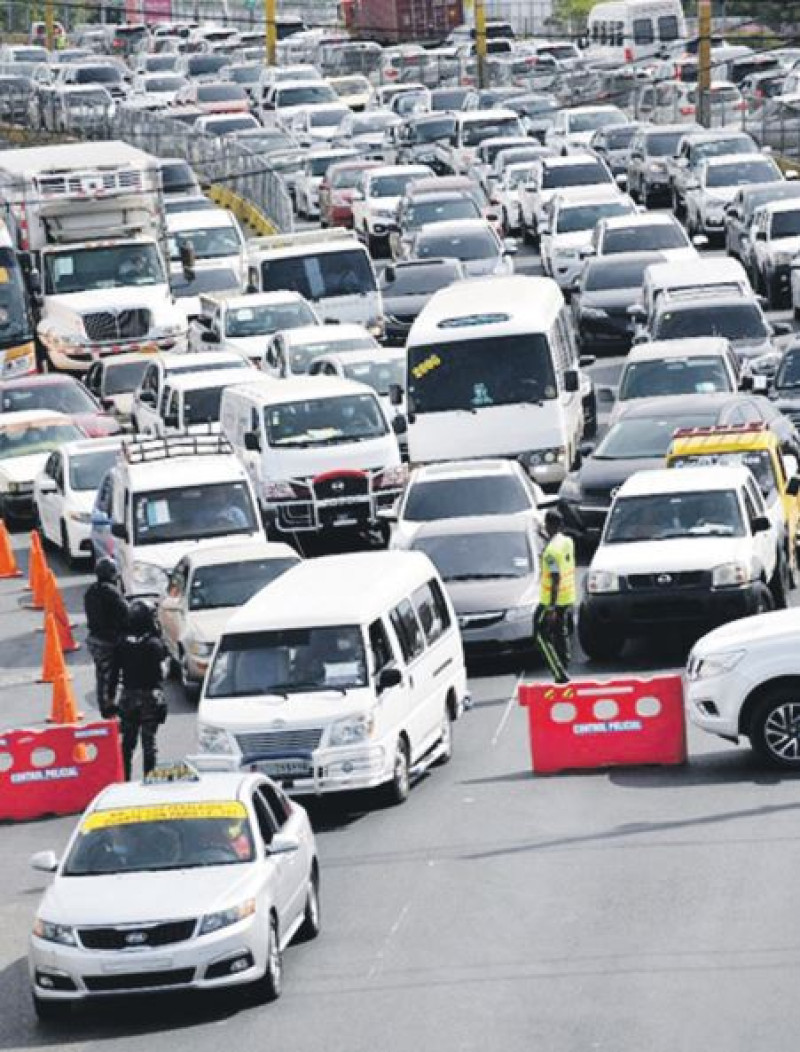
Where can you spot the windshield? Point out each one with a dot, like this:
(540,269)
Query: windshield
(242,322)
(232,584)
(92,269)
(378,375)
(324,421)
(220,93)
(24,440)
(474,132)
(346,178)
(476,374)
(786,224)
(475,556)
(439,211)
(208,242)
(205,64)
(742,173)
(735,321)
(640,237)
(620,138)
(66,397)
(390,185)
(123,377)
(326,118)
(86,470)
(303,354)
(718,147)
(674,376)
(647,438)
(292,661)
(604,274)
(662,144)
(306,95)
(470,495)
(788,374)
(163,837)
(366,123)
(220,279)
(583,122)
(98,75)
(431,130)
(244,74)
(420,280)
(554,177)
(163,83)
(480,244)
(584,217)
(318,166)
(193,512)
(343,273)
(667,516)
(759,461)
(15,321)
(226,125)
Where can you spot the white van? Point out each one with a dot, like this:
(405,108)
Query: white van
(626,31)
(216,239)
(168,495)
(725,274)
(319,451)
(191,402)
(329,268)
(493,370)
(344,673)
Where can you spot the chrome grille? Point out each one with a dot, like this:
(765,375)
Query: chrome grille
(126,324)
(279,743)
(667,580)
(134,938)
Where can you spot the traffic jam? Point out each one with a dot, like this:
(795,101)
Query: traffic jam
(502,375)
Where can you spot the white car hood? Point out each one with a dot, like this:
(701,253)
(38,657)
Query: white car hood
(166,556)
(102,299)
(129,898)
(206,625)
(299,711)
(23,469)
(360,456)
(576,239)
(785,244)
(721,194)
(252,346)
(778,627)
(684,553)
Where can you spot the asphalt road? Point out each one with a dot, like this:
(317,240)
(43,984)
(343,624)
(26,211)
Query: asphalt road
(627,910)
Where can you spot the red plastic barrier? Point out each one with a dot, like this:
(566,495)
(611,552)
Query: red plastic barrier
(58,770)
(620,722)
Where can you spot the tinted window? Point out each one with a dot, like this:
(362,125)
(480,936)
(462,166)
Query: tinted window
(674,376)
(471,495)
(616,275)
(381,647)
(668,28)
(664,516)
(232,584)
(344,273)
(642,31)
(417,280)
(404,621)
(649,437)
(736,321)
(575,175)
(431,610)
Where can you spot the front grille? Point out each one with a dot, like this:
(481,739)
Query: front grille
(279,743)
(127,324)
(667,610)
(138,980)
(481,620)
(684,579)
(341,486)
(148,935)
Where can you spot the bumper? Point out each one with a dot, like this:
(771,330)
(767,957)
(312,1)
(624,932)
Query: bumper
(77,358)
(18,505)
(637,612)
(343,513)
(76,974)
(495,633)
(337,770)
(713,705)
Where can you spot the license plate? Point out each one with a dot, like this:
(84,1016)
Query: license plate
(285,768)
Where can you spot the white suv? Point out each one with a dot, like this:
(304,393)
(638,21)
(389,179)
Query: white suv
(377,198)
(718,556)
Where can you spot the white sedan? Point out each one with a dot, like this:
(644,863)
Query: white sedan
(185,881)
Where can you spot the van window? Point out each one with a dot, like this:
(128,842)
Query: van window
(319,277)
(276,802)
(404,621)
(668,29)
(643,31)
(382,653)
(431,610)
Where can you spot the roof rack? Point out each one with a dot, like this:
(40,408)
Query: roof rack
(720,430)
(305,237)
(145,450)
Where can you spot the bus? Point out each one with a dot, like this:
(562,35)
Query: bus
(17,346)
(492,369)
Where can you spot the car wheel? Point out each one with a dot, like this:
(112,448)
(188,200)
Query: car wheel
(397,790)
(599,642)
(311,926)
(66,551)
(446,737)
(775,728)
(764,602)
(51,1011)
(780,584)
(270,985)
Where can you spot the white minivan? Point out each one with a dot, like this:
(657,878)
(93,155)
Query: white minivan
(344,673)
(493,370)
(626,31)
(319,450)
(191,401)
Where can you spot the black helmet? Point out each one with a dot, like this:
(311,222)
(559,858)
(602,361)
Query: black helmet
(140,619)
(106,569)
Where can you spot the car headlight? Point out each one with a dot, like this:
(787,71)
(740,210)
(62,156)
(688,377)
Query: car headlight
(60,933)
(146,575)
(19,360)
(352,730)
(19,487)
(602,582)
(83,517)
(279,491)
(730,575)
(224,918)
(538,458)
(656,166)
(214,740)
(200,650)
(392,478)
(593,312)
(715,665)
(521,613)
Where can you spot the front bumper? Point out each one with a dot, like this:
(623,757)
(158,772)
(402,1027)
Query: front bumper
(713,704)
(332,770)
(615,330)
(636,613)
(76,358)
(18,505)
(337,513)
(493,632)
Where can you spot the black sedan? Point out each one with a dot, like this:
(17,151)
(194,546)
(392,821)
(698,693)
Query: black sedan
(607,287)
(407,286)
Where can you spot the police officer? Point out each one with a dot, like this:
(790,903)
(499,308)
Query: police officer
(107,619)
(552,622)
(142,706)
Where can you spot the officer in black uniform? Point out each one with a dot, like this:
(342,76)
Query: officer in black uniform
(142,706)
(107,619)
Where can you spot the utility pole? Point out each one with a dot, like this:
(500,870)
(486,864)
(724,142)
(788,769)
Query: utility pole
(49,25)
(704,62)
(480,41)
(270,11)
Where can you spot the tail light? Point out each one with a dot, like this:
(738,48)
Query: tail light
(686,111)
(629,54)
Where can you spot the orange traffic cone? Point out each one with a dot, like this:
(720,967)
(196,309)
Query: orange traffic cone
(8,561)
(37,573)
(54,604)
(64,708)
(53,657)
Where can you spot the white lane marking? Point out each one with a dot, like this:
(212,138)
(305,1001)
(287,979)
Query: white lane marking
(381,954)
(507,710)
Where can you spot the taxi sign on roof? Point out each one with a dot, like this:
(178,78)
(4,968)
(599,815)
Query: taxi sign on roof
(180,771)
(122,816)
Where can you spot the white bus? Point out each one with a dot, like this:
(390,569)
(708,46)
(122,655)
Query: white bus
(493,370)
(627,31)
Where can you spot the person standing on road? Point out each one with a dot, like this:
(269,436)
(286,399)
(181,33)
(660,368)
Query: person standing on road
(142,705)
(107,620)
(552,621)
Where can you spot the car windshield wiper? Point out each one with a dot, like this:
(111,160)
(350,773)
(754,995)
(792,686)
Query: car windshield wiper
(296,688)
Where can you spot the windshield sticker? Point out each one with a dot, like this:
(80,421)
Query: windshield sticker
(480,395)
(157,513)
(163,813)
(433,361)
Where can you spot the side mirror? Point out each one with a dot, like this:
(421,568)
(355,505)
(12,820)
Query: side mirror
(389,274)
(791,173)
(283,844)
(586,360)
(789,465)
(120,531)
(761,235)
(99,518)
(388,678)
(147,397)
(395,394)
(209,336)
(692,184)
(586,449)
(605,395)
(621,180)
(35,282)
(760,383)
(761,524)
(747,383)
(399,425)
(44,861)
(782,328)
(252,441)
(107,404)
(188,260)
(48,485)
(171,420)
(793,486)
(572,381)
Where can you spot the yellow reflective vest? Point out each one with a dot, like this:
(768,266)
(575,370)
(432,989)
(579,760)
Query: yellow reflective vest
(558,557)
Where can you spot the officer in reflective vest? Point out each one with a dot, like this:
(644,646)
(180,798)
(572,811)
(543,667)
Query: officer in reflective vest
(552,622)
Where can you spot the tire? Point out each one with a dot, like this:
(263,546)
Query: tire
(775,728)
(599,642)
(66,551)
(269,987)
(764,601)
(311,926)
(51,1011)
(774,295)
(780,584)
(396,791)
(446,740)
